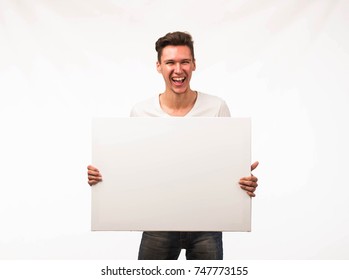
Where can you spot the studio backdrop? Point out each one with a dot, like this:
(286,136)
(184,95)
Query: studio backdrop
(284,64)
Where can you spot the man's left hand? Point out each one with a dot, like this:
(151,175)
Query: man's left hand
(249,184)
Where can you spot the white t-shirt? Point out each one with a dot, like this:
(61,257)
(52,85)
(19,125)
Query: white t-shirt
(205,106)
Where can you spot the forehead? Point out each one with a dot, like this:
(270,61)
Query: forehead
(176,53)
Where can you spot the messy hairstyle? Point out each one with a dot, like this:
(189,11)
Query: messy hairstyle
(174,39)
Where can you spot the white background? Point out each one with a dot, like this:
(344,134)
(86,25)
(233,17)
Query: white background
(282,63)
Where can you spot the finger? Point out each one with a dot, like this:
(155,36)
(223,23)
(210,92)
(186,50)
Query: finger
(92,168)
(249,189)
(248,183)
(92,180)
(93,173)
(254,165)
(249,178)
(251,194)
(96,178)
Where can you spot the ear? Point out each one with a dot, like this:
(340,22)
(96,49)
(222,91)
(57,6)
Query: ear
(158,66)
(194,65)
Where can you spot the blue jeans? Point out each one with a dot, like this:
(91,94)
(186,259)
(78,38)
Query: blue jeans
(161,245)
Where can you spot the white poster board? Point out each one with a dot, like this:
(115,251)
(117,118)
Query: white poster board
(171,174)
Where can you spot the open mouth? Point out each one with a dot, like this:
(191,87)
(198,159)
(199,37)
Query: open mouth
(178,81)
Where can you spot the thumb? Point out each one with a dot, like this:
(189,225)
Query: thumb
(254,165)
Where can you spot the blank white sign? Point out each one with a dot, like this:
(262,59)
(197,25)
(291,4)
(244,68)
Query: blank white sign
(171,174)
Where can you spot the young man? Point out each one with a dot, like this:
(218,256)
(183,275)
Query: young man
(176,62)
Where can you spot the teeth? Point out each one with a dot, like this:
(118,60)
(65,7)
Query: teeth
(178,79)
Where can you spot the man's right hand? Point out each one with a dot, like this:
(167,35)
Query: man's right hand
(94,176)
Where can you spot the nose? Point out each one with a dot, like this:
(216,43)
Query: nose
(178,68)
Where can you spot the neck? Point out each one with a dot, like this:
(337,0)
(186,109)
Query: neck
(177,104)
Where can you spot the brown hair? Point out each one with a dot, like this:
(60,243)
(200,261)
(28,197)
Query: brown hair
(174,39)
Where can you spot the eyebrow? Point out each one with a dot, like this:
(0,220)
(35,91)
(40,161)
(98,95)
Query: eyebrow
(182,60)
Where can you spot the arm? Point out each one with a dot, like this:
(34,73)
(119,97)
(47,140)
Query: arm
(93,175)
(249,184)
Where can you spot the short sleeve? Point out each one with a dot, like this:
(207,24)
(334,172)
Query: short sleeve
(224,110)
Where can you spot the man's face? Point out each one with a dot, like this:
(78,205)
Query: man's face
(176,67)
